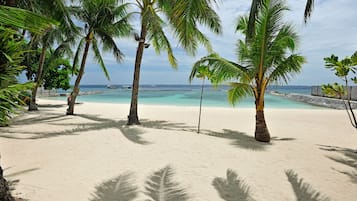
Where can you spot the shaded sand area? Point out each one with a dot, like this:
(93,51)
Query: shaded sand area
(94,155)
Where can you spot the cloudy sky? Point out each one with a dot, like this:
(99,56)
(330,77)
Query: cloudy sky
(332,29)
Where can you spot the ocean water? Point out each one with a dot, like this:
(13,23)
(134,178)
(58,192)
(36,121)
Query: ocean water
(187,95)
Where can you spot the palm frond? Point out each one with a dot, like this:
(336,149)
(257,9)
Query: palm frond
(77,54)
(286,68)
(161,187)
(308,9)
(99,58)
(109,44)
(157,36)
(25,20)
(238,91)
(254,12)
(185,18)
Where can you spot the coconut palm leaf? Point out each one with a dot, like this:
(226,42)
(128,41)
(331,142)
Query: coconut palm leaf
(286,68)
(239,91)
(117,189)
(99,58)
(157,36)
(25,20)
(308,9)
(185,17)
(161,187)
(79,51)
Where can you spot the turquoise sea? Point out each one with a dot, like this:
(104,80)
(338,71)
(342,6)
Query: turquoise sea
(186,95)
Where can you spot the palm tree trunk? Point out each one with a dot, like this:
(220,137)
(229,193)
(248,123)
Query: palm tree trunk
(199,115)
(133,118)
(261,129)
(33,105)
(74,94)
(5,194)
(11,3)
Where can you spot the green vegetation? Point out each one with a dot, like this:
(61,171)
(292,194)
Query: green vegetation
(184,17)
(346,71)
(267,59)
(64,35)
(11,55)
(255,9)
(57,69)
(113,22)
(201,72)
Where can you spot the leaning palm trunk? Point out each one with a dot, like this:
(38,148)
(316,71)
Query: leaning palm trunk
(33,105)
(133,118)
(74,94)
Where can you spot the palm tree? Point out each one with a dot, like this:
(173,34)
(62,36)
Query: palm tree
(183,16)
(63,35)
(254,11)
(267,59)
(201,72)
(342,69)
(103,20)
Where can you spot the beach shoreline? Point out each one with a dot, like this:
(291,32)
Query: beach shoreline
(63,158)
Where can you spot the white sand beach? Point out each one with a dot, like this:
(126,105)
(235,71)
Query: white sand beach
(63,158)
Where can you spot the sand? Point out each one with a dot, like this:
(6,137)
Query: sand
(64,158)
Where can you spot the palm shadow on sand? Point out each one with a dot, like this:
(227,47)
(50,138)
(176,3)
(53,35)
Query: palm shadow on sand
(133,134)
(303,191)
(119,188)
(348,158)
(232,187)
(239,139)
(158,186)
(92,123)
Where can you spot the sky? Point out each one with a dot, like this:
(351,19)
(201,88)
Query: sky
(332,29)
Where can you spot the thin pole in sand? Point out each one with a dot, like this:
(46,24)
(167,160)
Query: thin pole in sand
(199,116)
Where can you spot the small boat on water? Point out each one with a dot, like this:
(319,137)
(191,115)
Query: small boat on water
(126,87)
(112,86)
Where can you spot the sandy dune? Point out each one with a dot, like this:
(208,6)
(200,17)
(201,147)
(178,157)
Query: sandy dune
(64,158)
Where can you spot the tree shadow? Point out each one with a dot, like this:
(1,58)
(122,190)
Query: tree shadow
(51,105)
(239,139)
(165,125)
(303,191)
(120,188)
(232,188)
(160,186)
(349,158)
(96,123)
(39,118)
(21,172)
(12,183)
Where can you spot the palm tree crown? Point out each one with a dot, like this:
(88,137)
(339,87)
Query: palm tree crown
(183,17)
(103,21)
(267,59)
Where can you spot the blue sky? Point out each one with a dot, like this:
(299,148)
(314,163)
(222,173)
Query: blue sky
(332,29)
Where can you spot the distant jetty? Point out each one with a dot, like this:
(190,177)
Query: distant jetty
(54,93)
(315,100)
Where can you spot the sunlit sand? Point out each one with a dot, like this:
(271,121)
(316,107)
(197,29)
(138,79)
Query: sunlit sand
(64,158)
